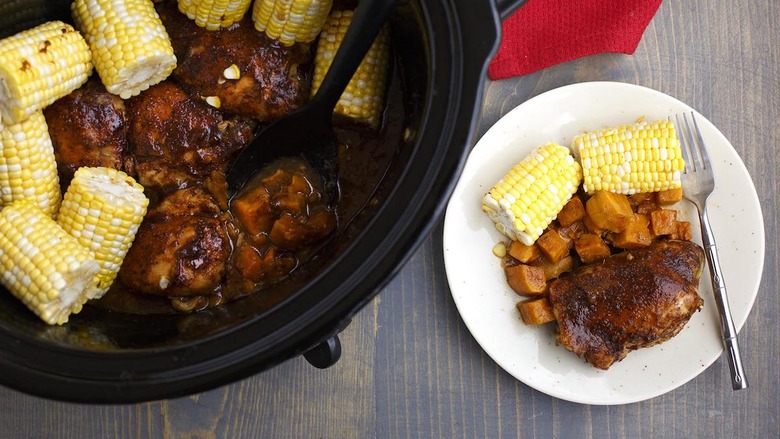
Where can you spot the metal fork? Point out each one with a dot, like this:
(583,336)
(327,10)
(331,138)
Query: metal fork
(698,182)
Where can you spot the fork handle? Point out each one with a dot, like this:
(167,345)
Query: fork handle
(728,330)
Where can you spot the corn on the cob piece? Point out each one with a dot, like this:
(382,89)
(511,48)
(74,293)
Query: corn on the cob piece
(103,209)
(529,197)
(39,66)
(363,99)
(130,47)
(291,21)
(42,265)
(28,169)
(214,14)
(642,157)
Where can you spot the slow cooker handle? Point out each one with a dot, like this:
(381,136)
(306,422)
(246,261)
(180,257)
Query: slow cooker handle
(325,354)
(506,7)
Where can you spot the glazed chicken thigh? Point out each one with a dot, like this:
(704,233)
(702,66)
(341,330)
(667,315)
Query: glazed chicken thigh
(631,300)
(87,128)
(181,247)
(270,83)
(176,139)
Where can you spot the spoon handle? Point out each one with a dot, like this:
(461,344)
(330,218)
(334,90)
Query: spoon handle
(369,17)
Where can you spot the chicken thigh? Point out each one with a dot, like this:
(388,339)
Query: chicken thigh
(176,139)
(267,81)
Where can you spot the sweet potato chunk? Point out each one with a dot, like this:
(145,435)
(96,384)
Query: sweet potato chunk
(663,222)
(555,269)
(635,235)
(669,196)
(592,227)
(609,211)
(571,232)
(254,211)
(536,311)
(553,246)
(683,231)
(572,211)
(524,253)
(526,280)
(591,248)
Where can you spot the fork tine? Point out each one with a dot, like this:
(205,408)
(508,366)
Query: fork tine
(695,149)
(701,146)
(684,145)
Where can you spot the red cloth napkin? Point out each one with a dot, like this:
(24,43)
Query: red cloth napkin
(543,33)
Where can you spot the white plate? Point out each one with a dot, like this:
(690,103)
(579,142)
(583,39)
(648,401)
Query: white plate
(487,304)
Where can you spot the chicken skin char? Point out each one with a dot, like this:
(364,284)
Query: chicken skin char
(181,248)
(629,301)
(176,139)
(87,128)
(270,85)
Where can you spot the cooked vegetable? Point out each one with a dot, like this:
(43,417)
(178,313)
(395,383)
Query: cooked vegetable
(669,196)
(552,246)
(554,269)
(39,66)
(214,14)
(103,209)
(636,234)
(536,311)
(130,47)
(643,157)
(528,198)
(28,169)
(591,248)
(291,21)
(683,231)
(363,99)
(524,253)
(663,222)
(43,266)
(526,280)
(572,211)
(609,210)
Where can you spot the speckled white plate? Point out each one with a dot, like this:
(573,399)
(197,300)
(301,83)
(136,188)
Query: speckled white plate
(487,304)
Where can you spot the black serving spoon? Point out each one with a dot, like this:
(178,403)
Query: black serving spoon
(309,131)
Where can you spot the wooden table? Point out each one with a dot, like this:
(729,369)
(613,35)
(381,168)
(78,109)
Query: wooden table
(411,369)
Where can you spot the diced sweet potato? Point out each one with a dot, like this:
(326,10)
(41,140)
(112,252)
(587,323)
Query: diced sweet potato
(291,233)
(536,311)
(663,222)
(641,198)
(683,232)
(248,262)
(553,247)
(526,280)
(254,211)
(555,269)
(669,196)
(524,253)
(635,235)
(591,248)
(609,211)
(294,202)
(571,232)
(592,227)
(572,211)
(646,208)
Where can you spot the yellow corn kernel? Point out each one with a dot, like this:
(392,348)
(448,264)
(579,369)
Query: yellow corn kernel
(130,47)
(363,99)
(42,265)
(530,196)
(629,159)
(39,66)
(214,14)
(28,169)
(103,209)
(291,21)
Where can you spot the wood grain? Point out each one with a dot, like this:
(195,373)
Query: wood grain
(410,368)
